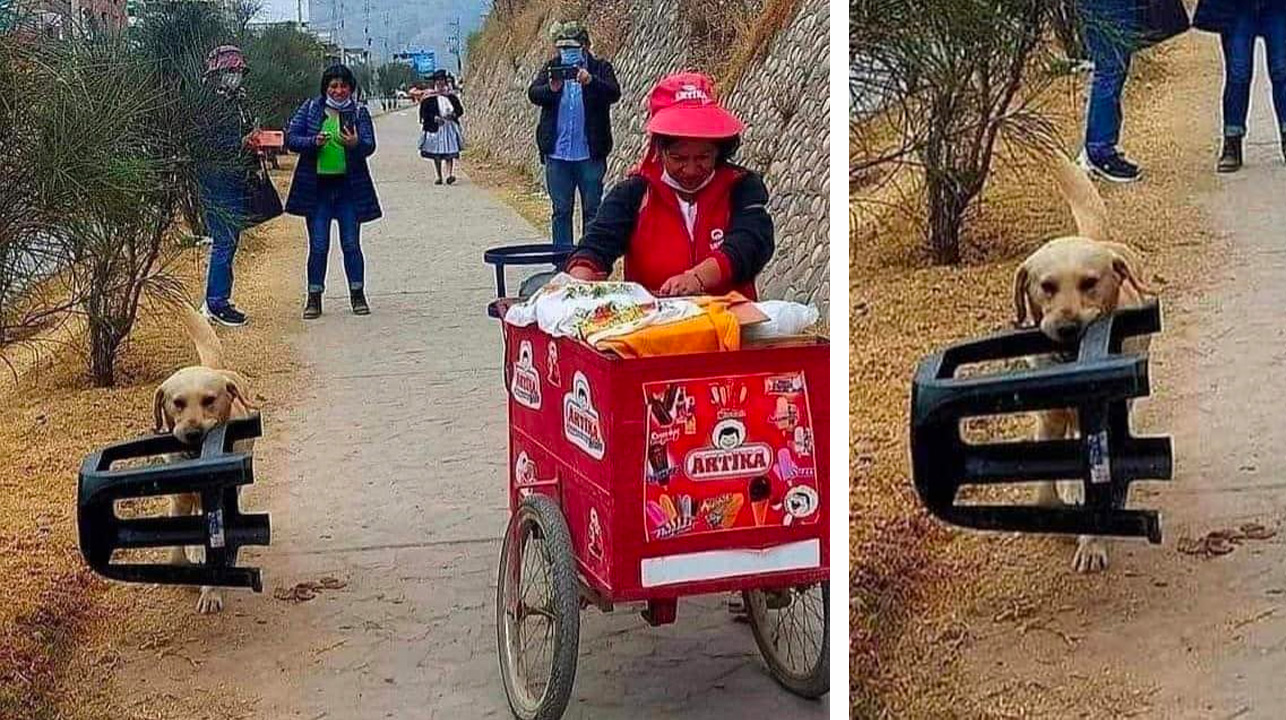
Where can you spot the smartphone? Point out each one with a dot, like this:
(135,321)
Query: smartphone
(563,72)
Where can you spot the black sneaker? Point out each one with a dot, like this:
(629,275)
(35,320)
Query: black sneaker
(313,308)
(1113,168)
(451,180)
(438,181)
(1230,159)
(227,315)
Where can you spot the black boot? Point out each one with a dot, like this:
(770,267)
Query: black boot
(313,307)
(358,299)
(1284,144)
(1230,158)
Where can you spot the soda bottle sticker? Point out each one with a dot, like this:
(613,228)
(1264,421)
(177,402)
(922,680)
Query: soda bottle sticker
(214,520)
(1100,463)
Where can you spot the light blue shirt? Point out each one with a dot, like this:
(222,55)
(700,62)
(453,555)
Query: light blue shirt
(572,144)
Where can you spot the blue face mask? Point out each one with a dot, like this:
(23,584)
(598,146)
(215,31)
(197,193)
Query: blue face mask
(571,56)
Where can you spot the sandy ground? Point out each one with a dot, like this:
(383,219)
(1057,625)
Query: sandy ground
(956,624)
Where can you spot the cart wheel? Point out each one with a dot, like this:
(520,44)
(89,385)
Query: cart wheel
(792,628)
(537,611)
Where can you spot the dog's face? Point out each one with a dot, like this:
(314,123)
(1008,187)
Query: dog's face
(1069,282)
(195,400)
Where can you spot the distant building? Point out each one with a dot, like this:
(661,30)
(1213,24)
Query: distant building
(58,19)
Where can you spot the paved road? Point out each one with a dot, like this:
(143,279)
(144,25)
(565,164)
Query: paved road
(392,471)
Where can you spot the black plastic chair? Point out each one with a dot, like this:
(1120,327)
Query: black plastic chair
(216,475)
(1098,385)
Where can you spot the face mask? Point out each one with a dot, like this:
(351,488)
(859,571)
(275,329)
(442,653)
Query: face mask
(571,56)
(230,82)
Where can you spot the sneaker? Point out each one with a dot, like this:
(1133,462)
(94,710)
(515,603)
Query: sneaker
(438,181)
(227,315)
(451,180)
(1113,168)
(358,298)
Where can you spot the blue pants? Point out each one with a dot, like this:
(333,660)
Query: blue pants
(1267,20)
(1110,35)
(334,205)
(563,179)
(224,208)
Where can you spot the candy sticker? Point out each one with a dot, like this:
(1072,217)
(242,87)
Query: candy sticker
(668,519)
(526,381)
(581,425)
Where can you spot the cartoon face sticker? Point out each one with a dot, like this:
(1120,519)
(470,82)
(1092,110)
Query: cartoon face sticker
(581,425)
(800,502)
(524,470)
(729,434)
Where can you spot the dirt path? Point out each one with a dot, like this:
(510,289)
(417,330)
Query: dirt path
(388,473)
(1165,634)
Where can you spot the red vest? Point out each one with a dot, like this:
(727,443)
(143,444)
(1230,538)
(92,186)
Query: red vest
(661,247)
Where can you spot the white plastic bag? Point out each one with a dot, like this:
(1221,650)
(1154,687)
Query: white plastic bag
(784,320)
(593,311)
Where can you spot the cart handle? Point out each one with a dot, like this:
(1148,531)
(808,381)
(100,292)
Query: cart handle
(525,255)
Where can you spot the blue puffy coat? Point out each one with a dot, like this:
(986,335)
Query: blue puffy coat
(300,138)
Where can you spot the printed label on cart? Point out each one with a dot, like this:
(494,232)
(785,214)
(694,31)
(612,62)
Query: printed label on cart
(744,446)
(526,381)
(580,420)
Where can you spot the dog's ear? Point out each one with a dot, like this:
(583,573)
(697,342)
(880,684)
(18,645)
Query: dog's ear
(236,387)
(1125,264)
(1020,296)
(161,419)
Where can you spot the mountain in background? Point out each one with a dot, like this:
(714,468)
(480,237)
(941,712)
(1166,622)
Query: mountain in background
(397,25)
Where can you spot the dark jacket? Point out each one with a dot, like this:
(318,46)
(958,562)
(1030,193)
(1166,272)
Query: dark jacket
(748,244)
(600,94)
(429,112)
(300,135)
(1220,15)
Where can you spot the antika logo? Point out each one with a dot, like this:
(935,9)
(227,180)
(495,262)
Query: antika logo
(526,382)
(580,420)
(716,463)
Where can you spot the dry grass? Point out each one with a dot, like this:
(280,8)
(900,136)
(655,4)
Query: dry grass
(918,587)
(60,625)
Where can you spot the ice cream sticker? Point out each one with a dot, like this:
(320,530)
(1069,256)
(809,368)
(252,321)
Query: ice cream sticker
(728,454)
(595,535)
(581,426)
(526,381)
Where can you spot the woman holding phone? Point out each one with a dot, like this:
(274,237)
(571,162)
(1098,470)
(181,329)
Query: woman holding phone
(333,135)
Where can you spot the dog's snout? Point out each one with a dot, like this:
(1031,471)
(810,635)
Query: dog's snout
(192,436)
(1068,332)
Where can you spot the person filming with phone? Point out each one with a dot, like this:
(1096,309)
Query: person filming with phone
(575,92)
(333,135)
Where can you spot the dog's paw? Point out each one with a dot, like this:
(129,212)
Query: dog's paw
(1091,555)
(210,602)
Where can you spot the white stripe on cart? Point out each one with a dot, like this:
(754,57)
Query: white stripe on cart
(718,564)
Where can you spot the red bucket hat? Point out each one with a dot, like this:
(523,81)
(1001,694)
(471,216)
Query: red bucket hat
(225,58)
(684,105)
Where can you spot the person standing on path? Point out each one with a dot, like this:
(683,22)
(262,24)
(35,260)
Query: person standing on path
(224,188)
(1239,23)
(1111,28)
(440,115)
(575,92)
(333,135)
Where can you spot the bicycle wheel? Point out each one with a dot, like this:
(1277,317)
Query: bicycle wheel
(792,629)
(537,611)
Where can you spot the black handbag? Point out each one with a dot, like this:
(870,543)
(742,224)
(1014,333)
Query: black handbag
(1161,20)
(262,201)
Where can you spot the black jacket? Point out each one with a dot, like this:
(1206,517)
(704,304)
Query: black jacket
(1221,15)
(429,112)
(749,244)
(601,92)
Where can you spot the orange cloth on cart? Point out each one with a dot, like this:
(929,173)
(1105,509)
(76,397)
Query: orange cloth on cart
(716,329)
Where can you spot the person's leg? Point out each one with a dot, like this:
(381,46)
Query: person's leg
(221,218)
(450,171)
(561,183)
(350,242)
(437,167)
(1274,30)
(589,181)
(1239,66)
(318,248)
(1109,38)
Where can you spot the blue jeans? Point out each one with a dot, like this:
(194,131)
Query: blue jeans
(1109,40)
(334,205)
(1239,64)
(224,207)
(563,178)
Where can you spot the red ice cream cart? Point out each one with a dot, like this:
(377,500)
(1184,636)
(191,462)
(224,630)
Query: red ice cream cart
(648,479)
